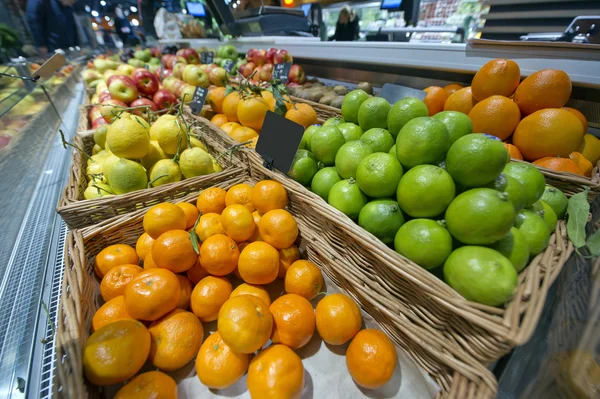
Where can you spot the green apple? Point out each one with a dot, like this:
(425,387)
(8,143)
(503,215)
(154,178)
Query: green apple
(143,55)
(154,61)
(228,51)
(135,62)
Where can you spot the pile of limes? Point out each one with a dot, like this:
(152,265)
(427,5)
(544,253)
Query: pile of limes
(439,194)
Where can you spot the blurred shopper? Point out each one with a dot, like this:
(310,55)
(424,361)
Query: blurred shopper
(85,33)
(347,27)
(124,28)
(52,24)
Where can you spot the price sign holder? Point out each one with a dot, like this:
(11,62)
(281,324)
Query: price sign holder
(279,141)
(393,93)
(198,100)
(229,64)
(207,57)
(281,72)
(49,67)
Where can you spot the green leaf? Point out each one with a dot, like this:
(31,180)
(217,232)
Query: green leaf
(593,244)
(228,90)
(578,210)
(194,236)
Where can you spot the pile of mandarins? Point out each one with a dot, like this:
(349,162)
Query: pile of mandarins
(529,116)
(245,237)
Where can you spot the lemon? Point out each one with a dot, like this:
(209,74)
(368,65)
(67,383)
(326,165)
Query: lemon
(167,130)
(99,157)
(108,164)
(194,142)
(216,167)
(195,162)
(127,176)
(100,135)
(140,120)
(168,169)
(155,154)
(127,139)
(96,149)
(94,168)
(98,190)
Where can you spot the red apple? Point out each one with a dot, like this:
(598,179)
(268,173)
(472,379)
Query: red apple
(167,72)
(117,77)
(259,57)
(282,56)
(178,70)
(145,81)
(165,59)
(195,76)
(143,112)
(297,74)
(292,84)
(108,107)
(123,89)
(98,122)
(190,55)
(164,99)
(168,82)
(210,67)
(155,51)
(270,54)
(218,76)
(94,113)
(264,72)
(105,95)
(246,69)
(187,92)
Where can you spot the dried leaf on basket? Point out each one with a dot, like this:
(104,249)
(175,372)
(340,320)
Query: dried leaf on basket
(578,210)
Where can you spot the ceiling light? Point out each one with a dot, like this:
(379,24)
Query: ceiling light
(102,3)
(133,9)
(107,18)
(135,22)
(234,5)
(95,13)
(184,11)
(95,25)
(87,8)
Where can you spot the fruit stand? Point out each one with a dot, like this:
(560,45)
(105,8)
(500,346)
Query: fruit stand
(155,216)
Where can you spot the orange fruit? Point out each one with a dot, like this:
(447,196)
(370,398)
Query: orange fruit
(590,148)
(238,222)
(251,111)
(152,294)
(173,250)
(211,200)
(461,101)
(245,323)
(451,88)
(495,115)
(371,358)
(268,96)
(215,98)
(302,114)
(114,282)
(162,218)
(293,321)
(196,272)
(113,256)
(287,101)
(276,372)
(217,366)
(209,225)
(243,134)
(116,352)
(208,297)
(513,151)
(240,194)
(559,165)
(497,77)
(278,228)
(287,256)
(191,214)
(149,262)
(219,255)
(249,289)
(581,117)
(548,133)
(338,319)
(435,99)
(143,245)
(268,195)
(585,165)
(259,263)
(186,287)
(303,278)
(256,235)
(175,339)
(230,104)
(229,127)
(152,384)
(548,88)
(111,311)
(219,119)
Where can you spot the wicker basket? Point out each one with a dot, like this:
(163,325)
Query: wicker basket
(77,212)
(324,112)
(458,375)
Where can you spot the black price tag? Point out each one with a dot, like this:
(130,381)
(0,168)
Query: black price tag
(393,93)
(229,64)
(198,100)
(207,57)
(278,141)
(282,71)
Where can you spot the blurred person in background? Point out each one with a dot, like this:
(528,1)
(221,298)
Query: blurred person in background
(52,24)
(124,28)
(347,27)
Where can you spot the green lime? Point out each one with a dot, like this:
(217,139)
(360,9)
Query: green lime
(350,131)
(480,216)
(392,151)
(424,241)
(108,163)
(457,123)
(535,230)
(325,143)
(475,160)
(481,275)
(127,176)
(557,200)
(195,162)
(304,167)
(351,105)
(530,177)
(323,181)
(421,141)
(349,156)
(514,246)
(546,212)
(306,138)
(425,191)
(100,135)
(165,171)
(512,187)
(378,175)
(380,140)
(336,121)
(373,113)
(346,197)
(382,218)
(403,111)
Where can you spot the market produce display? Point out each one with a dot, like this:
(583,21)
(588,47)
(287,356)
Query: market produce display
(323,94)
(193,256)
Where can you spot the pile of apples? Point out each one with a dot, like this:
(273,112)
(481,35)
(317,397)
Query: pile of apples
(263,61)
